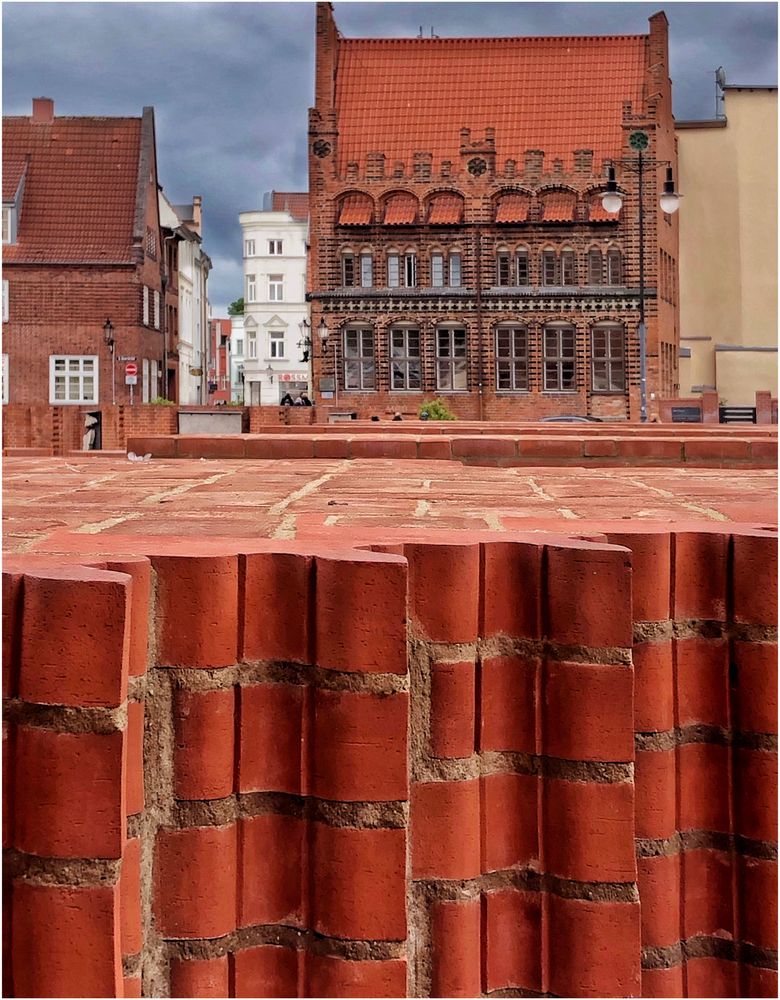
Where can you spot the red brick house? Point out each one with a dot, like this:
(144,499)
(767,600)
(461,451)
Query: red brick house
(459,247)
(219,360)
(81,245)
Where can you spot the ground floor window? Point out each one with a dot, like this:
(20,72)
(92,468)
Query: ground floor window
(608,365)
(511,359)
(451,363)
(405,363)
(559,359)
(359,360)
(73,379)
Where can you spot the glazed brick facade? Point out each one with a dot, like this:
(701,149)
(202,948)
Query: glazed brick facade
(478,179)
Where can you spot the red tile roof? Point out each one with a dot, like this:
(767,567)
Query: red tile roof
(400,210)
(13,168)
(559,206)
(597,213)
(445,209)
(294,202)
(356,210)
(399,96)
(513,208)
(80,190)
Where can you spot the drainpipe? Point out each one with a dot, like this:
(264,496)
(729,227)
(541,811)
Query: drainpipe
(164,324)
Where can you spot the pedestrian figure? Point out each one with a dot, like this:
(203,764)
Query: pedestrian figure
(286,400)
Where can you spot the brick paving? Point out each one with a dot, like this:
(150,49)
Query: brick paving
(48,499)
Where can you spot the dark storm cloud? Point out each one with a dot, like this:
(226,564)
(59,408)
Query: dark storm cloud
(231,82)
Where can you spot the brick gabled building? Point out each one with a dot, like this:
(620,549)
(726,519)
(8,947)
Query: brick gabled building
(81,244)
(459,247)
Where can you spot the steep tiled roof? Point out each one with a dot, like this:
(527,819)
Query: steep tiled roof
(80,190)
(597,212)
(558,206)
(294,202)
(13,168)
(399,96)
(400,210)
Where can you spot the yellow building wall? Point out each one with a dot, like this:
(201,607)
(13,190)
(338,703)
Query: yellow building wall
(728,245)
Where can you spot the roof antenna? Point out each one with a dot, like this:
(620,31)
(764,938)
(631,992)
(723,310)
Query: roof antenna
(432,34)
(421,32)
(720,97)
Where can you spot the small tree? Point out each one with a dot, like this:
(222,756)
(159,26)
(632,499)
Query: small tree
(437,409)
(236,308)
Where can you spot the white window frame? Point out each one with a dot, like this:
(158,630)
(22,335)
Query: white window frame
(4,376)
(359,345)
(275,248)
(5,300)
(455,263)
(512,358)
(404,359)
(251,345)
(146,305)
(555,359)
(437,270)
(239,351)
(251,288)
(79,373)
(410,269)
(145,380)
(276,288)
(276,344)
(366,270)
(452,359)
(249,248)
(393,270)
(610,359)
(156,309)
(8,229)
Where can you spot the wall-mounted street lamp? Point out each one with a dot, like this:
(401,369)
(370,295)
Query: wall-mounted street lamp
(304,344)
(269,373)
(612,202)
(323,333)
(108,339)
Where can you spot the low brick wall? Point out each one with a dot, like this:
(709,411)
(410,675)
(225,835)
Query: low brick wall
(721,451)
(327,774)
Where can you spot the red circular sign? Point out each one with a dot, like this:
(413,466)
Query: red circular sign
(131,368)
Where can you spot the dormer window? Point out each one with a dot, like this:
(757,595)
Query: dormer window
(9,224)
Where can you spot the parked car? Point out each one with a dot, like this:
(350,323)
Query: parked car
(571,419)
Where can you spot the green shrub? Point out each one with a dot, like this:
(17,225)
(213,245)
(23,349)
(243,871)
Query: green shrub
(160,401)
(437,409)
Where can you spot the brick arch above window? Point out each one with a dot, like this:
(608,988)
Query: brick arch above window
(400,208)
(557,205)
(356,209)
(444,208)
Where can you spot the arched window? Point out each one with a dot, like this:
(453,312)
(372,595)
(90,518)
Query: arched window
(451,363)
(512,207)
(522,266)
(503,267)
(608,358)
(366,268)
(558,206)
(400,209)
(359,358)
(549,267)
(356,209)
(559,358)
(445,208)
(568,266)
(405,360)
(595,267)
(614,267)
(511,358)
(348,270)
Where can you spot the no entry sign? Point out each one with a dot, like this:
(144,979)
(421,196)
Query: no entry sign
(131,368)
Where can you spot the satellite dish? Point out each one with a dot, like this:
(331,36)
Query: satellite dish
(720,77)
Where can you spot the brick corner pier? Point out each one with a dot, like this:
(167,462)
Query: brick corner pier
(269,768)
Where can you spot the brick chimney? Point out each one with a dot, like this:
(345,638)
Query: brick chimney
(43,111)
(197,217)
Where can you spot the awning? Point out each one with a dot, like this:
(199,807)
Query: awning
(445,209)
(356,210)
(401,210)
(513,208)
(558,208)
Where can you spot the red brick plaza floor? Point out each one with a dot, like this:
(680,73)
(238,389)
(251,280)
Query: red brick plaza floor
(46,500)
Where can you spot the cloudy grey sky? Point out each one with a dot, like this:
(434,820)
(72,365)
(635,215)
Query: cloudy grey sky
(231,82)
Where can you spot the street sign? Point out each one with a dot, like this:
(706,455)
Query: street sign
(131,368)
(131,379)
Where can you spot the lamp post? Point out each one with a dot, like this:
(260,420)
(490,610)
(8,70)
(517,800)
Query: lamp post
(304,344)
(324,334)
(612,202)
(108,339)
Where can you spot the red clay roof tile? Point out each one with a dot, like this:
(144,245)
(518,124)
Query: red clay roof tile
(80,189)
(597,212)
(294,202)
(400,210)
(559,206)
(445,210)
(356,210)
(399,96)
(513,208)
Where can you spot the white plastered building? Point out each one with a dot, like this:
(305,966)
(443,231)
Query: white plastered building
(276,356)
